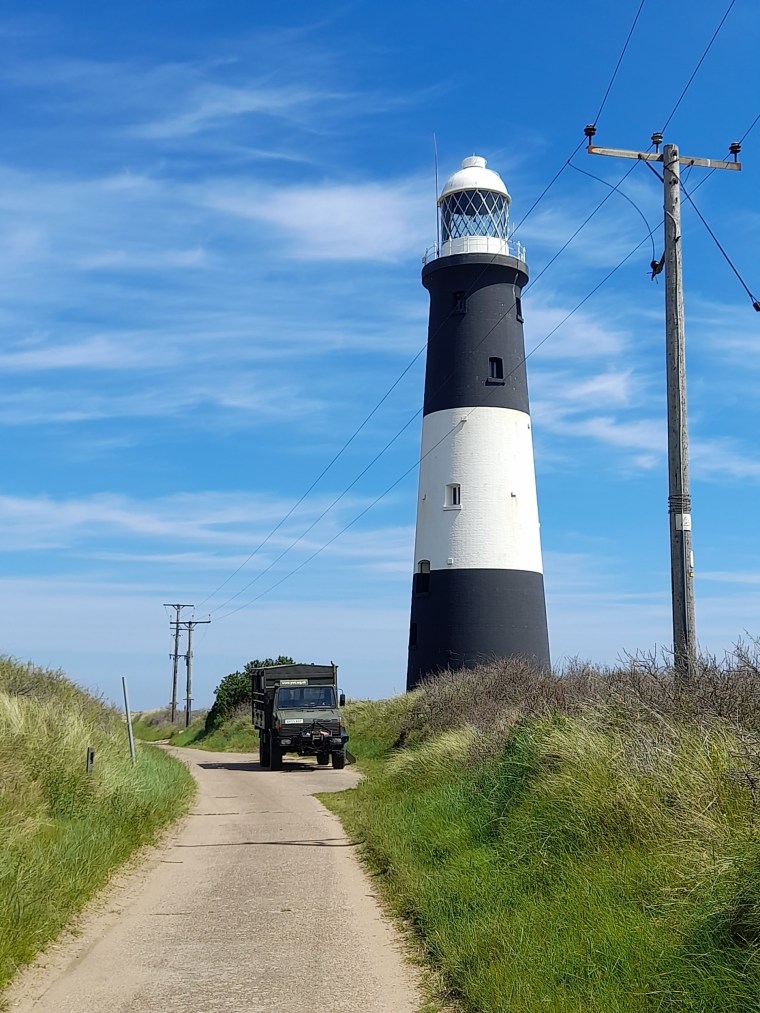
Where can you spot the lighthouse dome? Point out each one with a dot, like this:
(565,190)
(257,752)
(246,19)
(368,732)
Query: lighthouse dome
(474,210)
(474,175)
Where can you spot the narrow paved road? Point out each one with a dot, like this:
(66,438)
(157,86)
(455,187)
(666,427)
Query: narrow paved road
(255,903)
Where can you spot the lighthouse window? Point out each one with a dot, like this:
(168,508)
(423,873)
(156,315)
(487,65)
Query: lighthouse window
(495,368)
(518,308)
(460,302)
(413,635)
(453,495)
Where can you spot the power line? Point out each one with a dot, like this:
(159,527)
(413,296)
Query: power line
(361,426)
(755,302)
(416,463)
(699,64)
(741,141)
(617,65)
(549,185)
(622,193)
(575,150)
(613,188)
(385,396)
(445,380)
(319,477)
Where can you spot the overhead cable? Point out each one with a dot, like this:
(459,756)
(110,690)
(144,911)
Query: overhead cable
(416,464)
(699,64)
(755,302)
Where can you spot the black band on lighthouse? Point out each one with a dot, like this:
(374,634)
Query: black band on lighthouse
(474,319)
(468,617)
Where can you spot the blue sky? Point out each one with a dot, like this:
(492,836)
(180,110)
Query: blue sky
(212,218)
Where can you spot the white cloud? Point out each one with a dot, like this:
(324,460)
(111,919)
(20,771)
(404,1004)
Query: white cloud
(728,577)
(212,105)
(226,518)
(361,221)
(722,457)
(582,337)
(92,353)
(145,260)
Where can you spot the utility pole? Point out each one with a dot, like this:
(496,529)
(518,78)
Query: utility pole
(679,494)
(175,656)
(190,626)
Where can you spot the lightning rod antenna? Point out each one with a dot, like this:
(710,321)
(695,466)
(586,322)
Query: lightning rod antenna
(437,220)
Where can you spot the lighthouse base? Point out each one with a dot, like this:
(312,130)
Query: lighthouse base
(503,612)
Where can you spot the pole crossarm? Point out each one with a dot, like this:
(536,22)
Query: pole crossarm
(654,156)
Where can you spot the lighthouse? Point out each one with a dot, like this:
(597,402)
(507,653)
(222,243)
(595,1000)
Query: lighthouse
(478,586)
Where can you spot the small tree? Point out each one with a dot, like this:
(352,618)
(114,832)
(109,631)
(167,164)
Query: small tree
(233,693)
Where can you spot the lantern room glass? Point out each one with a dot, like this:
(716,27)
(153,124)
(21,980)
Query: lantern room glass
(474,213)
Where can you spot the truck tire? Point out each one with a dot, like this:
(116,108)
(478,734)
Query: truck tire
(339,759)
(323,759)
(264,754)
(275,754)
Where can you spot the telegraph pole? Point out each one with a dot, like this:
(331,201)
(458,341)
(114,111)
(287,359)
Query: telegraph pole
(189,626)
(175,656)
(679,494)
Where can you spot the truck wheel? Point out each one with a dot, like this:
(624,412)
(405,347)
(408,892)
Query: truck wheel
(275,755)
(339,759)
(323,759)
(264,754)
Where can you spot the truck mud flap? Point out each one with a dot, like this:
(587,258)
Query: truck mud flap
(350,758)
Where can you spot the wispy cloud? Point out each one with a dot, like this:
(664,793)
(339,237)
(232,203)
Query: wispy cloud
(723,458)
(92,353)
(212,105)
(583,336)
(362,221)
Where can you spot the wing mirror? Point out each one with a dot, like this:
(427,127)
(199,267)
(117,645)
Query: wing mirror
(342,700)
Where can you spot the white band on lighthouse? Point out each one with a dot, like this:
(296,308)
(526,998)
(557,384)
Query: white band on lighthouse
(488,453)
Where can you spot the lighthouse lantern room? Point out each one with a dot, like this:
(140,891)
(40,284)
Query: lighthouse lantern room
(478,590)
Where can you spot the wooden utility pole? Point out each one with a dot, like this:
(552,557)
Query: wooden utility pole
(175,656)
(190,626)
(679,494)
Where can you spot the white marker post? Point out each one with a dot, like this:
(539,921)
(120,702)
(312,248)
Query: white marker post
(129,721)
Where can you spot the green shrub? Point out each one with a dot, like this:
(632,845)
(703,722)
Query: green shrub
(233,694)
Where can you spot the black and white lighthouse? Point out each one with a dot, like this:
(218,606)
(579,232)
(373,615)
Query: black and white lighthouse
(478,586)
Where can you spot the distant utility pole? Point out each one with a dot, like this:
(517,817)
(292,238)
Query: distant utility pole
(175,655)
(190,625)
(679,496)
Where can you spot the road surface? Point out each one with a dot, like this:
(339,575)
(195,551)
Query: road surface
(255,903)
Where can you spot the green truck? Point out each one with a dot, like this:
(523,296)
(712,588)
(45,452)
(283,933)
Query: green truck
(295,708)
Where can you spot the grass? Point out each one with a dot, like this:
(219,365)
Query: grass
(235,735)
(582,845)
(64,831)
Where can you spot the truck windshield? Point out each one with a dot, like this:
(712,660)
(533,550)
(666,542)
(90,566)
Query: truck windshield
(304,697)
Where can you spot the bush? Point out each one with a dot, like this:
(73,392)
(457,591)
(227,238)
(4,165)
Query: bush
(233,694)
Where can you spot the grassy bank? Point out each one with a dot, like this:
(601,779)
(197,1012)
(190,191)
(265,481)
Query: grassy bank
(586,844)
(236,735)
(65,831)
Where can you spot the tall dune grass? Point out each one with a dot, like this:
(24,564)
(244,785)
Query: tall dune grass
(587,842)
(63,831)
